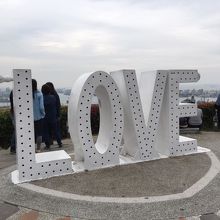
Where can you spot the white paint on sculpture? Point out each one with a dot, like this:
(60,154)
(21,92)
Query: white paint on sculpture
(23,110)
(31,166)
(105,151)
(152,88)
(169,142)
(180,145)
(149,107)
(140,131)
(161,128)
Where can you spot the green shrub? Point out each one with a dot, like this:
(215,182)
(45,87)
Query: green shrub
(63,122)
(208,109)
(6,128)
(95,119)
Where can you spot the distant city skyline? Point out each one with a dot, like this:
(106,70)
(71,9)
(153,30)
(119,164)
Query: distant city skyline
(183,86)
(60,40)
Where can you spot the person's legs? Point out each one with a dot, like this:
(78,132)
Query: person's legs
(57,133)
(13,145)
(13,148)
(51,136)
(46,135)
(39,141)
(38,126)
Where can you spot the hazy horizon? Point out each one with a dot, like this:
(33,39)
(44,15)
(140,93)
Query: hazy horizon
(60,40)
(183,86)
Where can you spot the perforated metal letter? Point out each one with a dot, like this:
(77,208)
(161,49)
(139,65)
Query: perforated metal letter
(140,131)
(105,152)
(170,143)
(31,166)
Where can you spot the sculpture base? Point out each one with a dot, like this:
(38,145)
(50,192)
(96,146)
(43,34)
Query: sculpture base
(46,157)
(126,159)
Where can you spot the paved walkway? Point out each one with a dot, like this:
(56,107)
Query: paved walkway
(206,203)
(162,177)
(7,159)
(13,212)
(10,212)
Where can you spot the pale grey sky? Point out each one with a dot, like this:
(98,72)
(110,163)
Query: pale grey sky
(61,39)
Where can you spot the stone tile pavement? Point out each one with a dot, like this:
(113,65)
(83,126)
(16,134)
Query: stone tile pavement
(25,214)
(28,214)
(7,159)
(12,212)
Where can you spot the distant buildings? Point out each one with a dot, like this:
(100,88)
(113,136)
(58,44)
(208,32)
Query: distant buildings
(4,97)
(67,92)
(203,95)
(4,94)
(64,91)
(200,94)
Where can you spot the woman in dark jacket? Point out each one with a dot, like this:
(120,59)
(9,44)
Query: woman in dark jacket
(50,120)
(58,106)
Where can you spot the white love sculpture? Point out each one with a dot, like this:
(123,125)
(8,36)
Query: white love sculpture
(32,166)
(144,110)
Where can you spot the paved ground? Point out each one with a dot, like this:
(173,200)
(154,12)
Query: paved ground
(162,177)
(38,206)
(7,159)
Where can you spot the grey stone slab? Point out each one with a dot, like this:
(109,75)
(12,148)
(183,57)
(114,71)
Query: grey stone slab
(209,140)
(17,215)
(206,201)
(192,218)
(7,159)
(162,177)
(6,210)
(209,217)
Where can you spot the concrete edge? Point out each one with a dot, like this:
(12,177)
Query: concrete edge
(194,189)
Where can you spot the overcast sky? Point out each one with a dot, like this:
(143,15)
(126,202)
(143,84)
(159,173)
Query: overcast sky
(59,40)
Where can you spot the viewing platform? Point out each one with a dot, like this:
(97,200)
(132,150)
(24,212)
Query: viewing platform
(173,188)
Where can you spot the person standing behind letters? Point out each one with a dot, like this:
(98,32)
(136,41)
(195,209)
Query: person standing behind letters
(39,113)
(58,106)
(50,120)
(13,142)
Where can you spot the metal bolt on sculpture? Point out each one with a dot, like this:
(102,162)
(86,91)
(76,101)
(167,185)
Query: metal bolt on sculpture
(142,109)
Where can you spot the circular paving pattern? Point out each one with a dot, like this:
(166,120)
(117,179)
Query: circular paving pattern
(153,178)
(173,175)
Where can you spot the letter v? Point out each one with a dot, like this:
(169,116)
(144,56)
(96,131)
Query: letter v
(140,129)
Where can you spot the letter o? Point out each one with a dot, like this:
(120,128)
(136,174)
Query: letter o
(105,152)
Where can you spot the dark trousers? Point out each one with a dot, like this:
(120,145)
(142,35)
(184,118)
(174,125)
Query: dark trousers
(13,146)
(51,128)
(13,142)
(55,134)
(218,113)
(38,128)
